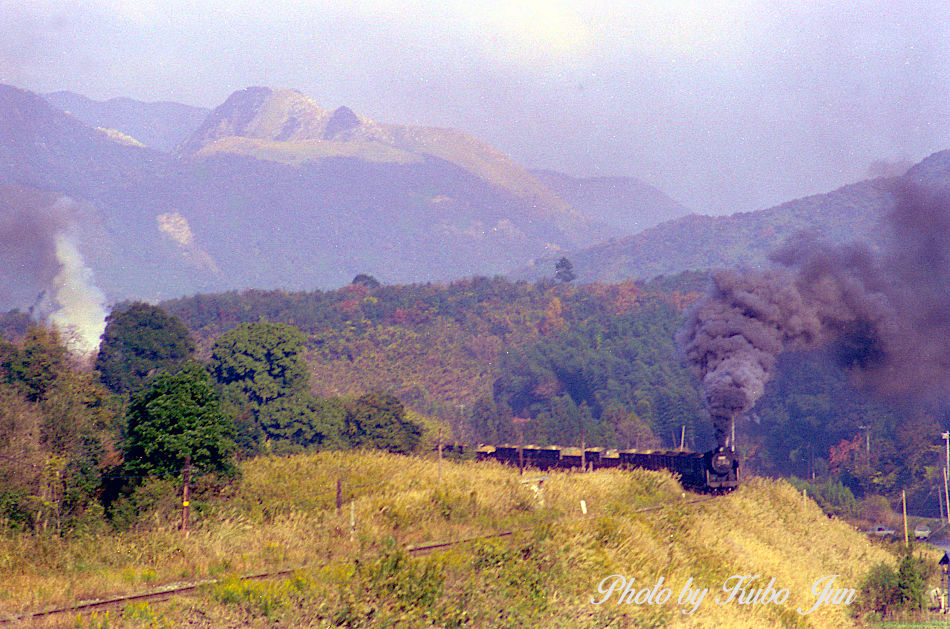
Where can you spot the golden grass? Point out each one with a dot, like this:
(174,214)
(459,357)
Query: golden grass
(282,514)
(303,151)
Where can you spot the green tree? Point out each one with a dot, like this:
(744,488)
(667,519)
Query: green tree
(490,424)
(366,280)
(378,420)
(879,591)
(885,589)
(263,374)
(34,367)
(263,361)
(53,420)
(911,581)
(176,417)
(138,340)
(564,270)
(303,420)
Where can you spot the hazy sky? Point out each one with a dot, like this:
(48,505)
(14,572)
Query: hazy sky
(727,106)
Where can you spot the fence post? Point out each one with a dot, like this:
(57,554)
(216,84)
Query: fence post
(440,455)
(339,495)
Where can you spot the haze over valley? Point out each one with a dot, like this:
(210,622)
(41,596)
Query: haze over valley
(281,283)
(271,190)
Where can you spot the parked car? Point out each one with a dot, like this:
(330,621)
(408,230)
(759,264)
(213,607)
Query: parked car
(881,531)
(922,531)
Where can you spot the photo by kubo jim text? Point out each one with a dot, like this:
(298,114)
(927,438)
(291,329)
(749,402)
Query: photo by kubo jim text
(736,589)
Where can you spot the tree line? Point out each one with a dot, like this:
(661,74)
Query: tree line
(75,443)
(213,378)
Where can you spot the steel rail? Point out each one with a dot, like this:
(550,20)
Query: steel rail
(168,592)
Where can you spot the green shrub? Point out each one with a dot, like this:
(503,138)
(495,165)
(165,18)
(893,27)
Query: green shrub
(831,495)
(878,591)
(14,512)
(886,590)
(912,573)
(156,499)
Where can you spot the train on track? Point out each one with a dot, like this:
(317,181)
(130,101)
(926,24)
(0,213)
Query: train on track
(716,471)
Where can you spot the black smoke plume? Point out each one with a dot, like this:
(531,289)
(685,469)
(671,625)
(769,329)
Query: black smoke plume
(885,314)
(28,225)
(734,335)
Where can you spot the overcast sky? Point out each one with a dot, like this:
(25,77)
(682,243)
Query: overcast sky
(727,106)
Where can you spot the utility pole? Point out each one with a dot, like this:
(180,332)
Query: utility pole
(520,422)
(583,449)
(940,502)
(185,494)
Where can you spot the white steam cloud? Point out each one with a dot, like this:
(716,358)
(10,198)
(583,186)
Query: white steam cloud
(81,314)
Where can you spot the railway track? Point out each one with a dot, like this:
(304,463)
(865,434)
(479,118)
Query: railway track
(167,592)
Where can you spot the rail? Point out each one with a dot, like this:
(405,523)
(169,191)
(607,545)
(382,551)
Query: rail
(168,591)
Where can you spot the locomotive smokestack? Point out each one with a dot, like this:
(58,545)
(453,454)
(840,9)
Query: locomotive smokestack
(725,429)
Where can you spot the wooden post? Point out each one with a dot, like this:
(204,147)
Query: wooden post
(946,472)
(185,495)
(520,422)
(352,522)
(520,450)
(904,502)
(339,495)
(440,454)
(682,436)
(946,501)
(583,450)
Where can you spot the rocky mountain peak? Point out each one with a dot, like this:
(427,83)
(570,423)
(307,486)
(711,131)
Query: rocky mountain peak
(343,119)
(260,113)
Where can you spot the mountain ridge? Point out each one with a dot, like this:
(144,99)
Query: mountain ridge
(626,203)
(854,212)
(161,125)
(289,127)
(172,226)
(244,205)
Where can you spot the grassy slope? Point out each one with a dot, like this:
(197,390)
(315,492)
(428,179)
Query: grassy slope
(303,151)
(281,514)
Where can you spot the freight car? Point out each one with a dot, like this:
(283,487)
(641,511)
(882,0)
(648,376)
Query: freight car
(715,471)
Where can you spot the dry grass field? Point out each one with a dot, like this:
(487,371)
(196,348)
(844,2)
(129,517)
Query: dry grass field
(282,514)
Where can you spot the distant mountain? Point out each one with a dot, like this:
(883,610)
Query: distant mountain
(299,198)
(854,213)
(161,125)
(271,190)
(288,127)
(694,242)
(69,180)
(625,203)
(935,170)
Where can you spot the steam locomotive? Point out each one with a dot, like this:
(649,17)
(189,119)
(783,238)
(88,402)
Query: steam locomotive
(716,471)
